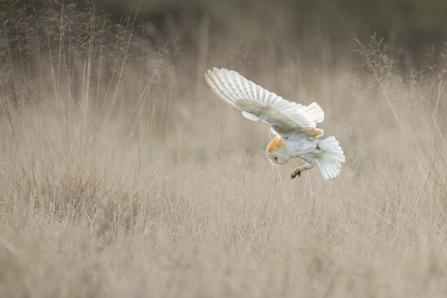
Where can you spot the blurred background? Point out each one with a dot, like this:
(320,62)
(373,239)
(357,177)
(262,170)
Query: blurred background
(119,162)
(318,32)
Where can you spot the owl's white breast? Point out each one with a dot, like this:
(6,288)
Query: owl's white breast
(299,145)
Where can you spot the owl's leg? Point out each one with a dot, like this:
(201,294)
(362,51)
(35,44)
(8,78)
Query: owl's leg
(309,165)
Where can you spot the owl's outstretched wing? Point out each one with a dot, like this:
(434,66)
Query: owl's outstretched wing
(257,103)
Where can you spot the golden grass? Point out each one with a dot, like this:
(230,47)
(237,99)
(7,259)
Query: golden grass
(118,181)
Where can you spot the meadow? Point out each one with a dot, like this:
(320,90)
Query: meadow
(123,175)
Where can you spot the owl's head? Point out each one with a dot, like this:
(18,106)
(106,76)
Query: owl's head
(277,158)
(276,151)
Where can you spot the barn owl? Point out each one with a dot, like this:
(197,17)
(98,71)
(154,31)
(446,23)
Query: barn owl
(294,124)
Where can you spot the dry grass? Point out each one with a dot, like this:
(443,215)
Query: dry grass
(118,181)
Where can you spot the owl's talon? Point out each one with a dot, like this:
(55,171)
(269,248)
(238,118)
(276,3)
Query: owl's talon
(295,173)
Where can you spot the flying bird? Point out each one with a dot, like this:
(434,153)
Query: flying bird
(294,124)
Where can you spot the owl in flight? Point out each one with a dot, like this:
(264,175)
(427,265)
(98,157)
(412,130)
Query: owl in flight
(294,124)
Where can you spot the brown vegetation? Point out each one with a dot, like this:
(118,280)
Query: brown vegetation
(123,177)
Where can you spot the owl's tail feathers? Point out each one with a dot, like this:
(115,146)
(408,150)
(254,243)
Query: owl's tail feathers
(330,158)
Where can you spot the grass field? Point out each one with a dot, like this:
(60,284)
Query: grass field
(124,176)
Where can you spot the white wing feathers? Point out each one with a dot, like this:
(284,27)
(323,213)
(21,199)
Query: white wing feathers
(256,103)
(250,116)
(313,112)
